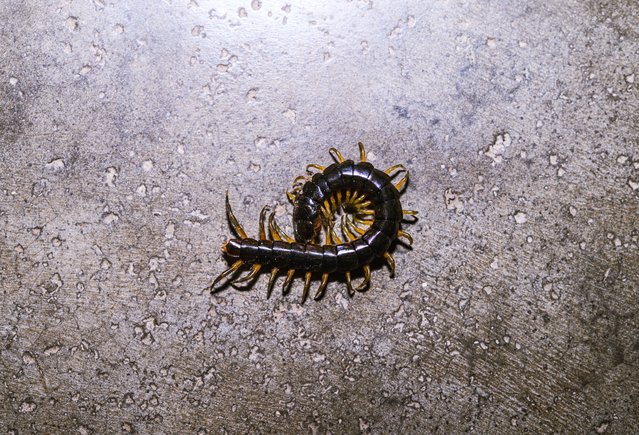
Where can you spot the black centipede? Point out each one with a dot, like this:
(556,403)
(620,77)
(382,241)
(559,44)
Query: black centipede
(371,217)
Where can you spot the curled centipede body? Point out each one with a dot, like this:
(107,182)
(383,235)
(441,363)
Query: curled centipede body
(371,221)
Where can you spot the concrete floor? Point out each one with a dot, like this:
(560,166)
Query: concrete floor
(122,124)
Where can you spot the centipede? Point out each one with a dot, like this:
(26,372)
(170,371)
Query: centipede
(354,199)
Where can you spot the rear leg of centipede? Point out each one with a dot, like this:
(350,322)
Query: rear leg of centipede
(239,230)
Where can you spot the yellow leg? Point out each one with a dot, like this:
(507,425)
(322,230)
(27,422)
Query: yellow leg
(367,279)
(399,186)
(233,220)
(291,197)
(349,284)
(322,287)
(336,155)
(351,225)
(391,262)
(333,203)
(405,235)
(399,168)
(275,229)
(362,152)
(287,281)
(347,196)
(271,282)
(230,271)
(410,212)
(316,166)
(334,239)
(307,285)
(348,233)
(252,274)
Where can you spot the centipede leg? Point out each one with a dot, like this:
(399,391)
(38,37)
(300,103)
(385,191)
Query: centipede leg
(353,227)
(346,230)
(233,220)
(288,280)
(230,271)
(362,152)
(336,155)
(349,284)
(307,285)
(255,269)
(399,168)
(276,231)
(391,263)
(400,185)
(367,279)
(315,166)
(405,235)
(262,230)
(322,287)
(271,282)
(410,212)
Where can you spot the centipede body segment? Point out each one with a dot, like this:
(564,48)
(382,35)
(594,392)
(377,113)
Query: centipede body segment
(368,202)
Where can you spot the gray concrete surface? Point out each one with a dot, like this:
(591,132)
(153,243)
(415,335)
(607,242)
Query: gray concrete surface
(122,124)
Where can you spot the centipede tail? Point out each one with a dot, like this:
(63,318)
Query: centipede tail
(371,216)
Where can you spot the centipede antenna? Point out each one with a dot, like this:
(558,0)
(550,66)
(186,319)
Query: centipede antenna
(271,282)
(315,166)
(349,284)
(255,269)
(405,235)
(233,220)
(336,155)
(399,186)
(362,152)
(320,291)
(287,281)
(399,168)
(307,285)
(230,271)
(367,279)
(262,230)
(391,263)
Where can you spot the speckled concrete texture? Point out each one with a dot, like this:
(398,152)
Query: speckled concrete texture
(122,124)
